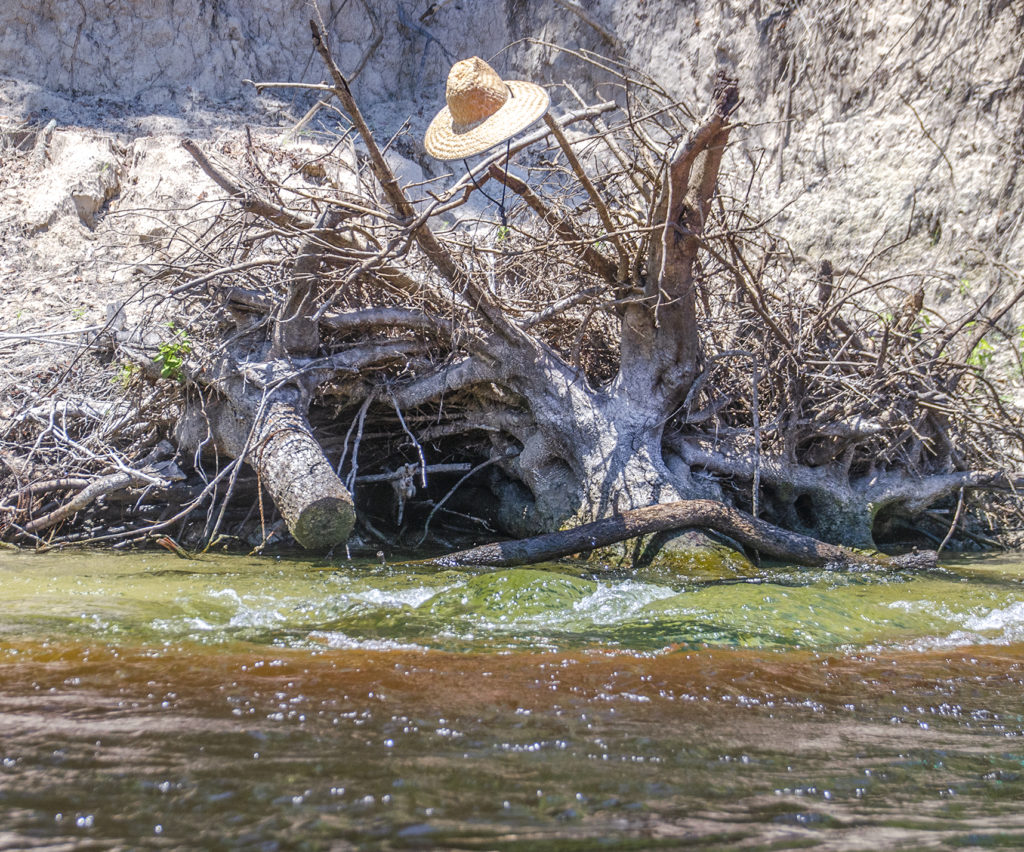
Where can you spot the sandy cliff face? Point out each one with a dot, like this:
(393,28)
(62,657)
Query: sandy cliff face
(172,51)
(871,123)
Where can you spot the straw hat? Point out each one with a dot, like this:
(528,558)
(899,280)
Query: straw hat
(482,111)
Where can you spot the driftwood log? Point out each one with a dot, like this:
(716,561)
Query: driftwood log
(625,449)
(269,428)
(630,347)
(766,539)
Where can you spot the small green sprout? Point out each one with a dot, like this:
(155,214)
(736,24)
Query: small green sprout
(125,375)
(982,355)
(170,356)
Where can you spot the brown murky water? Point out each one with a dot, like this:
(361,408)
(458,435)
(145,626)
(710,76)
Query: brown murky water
(147,702)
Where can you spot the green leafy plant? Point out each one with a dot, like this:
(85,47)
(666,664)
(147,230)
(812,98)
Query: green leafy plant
(503,232)
(982,355)
(125,375)
(170,356)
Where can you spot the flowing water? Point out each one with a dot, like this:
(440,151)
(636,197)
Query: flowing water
(240,703)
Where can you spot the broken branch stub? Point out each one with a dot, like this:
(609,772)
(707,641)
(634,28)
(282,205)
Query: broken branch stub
(660,345)
(296,333)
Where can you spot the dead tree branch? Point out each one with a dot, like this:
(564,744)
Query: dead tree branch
(771,541)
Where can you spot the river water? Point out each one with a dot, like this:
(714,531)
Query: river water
(239,703)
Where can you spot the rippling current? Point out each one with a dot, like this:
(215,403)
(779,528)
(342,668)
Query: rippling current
(239,703)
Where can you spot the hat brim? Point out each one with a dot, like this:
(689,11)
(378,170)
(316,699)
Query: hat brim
(527,102)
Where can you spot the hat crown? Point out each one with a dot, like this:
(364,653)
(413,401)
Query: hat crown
(474,92)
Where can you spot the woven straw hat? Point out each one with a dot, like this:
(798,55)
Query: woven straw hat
(482,111)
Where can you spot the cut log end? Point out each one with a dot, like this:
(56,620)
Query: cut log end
(324,523)
(304,486)
(271,432)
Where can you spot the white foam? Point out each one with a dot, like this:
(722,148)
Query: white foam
(1009,620)
(396,598)
(994,627)
(610,603)
(337,639)
(258,613)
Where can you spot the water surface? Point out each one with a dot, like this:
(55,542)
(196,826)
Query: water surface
(231,702)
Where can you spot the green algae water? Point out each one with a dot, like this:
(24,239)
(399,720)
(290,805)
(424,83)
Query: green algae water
(238,703)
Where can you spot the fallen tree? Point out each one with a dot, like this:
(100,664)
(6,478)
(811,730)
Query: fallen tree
(631,334)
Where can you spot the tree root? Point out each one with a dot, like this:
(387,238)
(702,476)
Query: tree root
(769,540)
(585,351)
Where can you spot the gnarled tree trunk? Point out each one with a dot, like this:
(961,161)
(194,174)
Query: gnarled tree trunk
(586,443)
(598,452)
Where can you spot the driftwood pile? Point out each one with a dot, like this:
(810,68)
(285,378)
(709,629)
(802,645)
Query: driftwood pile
(630,334)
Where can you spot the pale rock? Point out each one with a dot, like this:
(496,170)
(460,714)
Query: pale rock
(162,174)
(83,175)
(164,188)
(406,171)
